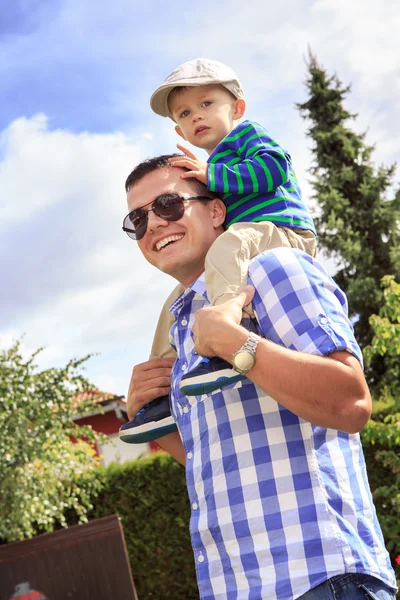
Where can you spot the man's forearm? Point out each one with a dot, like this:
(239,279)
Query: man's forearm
(172,444)
(328,391)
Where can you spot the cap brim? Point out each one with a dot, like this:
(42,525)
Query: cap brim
(159,100)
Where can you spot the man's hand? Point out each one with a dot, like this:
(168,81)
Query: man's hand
(214,325)
(149,380)
(197,168)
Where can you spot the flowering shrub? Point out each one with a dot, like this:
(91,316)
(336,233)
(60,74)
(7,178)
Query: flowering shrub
(43,474)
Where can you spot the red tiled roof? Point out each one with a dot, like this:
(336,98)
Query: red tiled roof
(97,397)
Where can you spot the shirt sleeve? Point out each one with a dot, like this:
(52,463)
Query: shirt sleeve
(299,306)
(262,166)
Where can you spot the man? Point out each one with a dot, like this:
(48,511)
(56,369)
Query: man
(276,478)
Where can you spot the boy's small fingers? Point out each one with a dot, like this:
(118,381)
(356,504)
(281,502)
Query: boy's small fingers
(178,164)
(177,158)
(186,151)
(182,162)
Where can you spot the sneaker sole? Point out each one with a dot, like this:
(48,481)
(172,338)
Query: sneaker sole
(148,432)
(205,384)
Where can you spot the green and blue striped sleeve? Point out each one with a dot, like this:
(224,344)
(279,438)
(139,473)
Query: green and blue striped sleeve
(248,161)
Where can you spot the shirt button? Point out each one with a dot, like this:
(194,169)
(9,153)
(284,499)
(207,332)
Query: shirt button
(190,455)
(195,506)
(183,367)
(185,409)
(200,558)
(184,322)
(323,321)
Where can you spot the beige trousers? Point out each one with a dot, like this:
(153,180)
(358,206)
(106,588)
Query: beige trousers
(227,265)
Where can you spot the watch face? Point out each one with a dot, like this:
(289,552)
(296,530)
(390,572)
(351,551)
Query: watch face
(244,361)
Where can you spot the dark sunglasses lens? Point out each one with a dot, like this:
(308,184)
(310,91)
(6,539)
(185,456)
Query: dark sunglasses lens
(169,207)
(135,224)
(139,223)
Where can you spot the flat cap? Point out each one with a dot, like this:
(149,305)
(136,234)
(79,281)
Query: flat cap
(200,71)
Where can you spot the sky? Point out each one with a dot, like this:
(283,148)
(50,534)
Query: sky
(75,82)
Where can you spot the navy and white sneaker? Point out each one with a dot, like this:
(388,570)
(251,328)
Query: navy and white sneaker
(210,374)
(153,421)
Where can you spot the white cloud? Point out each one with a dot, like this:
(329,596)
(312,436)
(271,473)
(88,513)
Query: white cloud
(71,279)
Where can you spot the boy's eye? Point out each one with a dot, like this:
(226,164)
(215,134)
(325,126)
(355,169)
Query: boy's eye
(184,114)
(207,103)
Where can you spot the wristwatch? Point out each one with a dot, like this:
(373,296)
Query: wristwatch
(245,358)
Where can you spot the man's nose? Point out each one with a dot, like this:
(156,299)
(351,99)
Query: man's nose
(154,222)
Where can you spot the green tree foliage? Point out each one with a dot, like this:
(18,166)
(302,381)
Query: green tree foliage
(357,225)
(43,474)
(386,339)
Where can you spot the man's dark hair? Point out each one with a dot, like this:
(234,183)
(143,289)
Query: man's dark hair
(159,162)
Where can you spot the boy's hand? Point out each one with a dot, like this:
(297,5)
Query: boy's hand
(197,168)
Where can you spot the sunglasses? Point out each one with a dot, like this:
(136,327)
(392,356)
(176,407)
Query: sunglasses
(169,207)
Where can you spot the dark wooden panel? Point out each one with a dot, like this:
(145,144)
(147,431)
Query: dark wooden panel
(85,562)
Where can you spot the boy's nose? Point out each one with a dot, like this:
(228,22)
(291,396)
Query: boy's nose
(197,117)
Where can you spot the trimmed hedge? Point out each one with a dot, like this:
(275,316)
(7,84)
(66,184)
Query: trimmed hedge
(150,497)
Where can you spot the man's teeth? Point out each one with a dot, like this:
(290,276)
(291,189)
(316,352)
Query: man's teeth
(168,240)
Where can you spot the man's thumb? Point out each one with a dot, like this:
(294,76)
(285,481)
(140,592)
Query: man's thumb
(246,295)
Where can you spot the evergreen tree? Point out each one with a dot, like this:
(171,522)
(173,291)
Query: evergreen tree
(358,225)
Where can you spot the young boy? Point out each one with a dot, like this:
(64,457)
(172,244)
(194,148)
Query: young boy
(254,177)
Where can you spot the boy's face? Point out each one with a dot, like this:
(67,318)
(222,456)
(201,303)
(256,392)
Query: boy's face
(205,114)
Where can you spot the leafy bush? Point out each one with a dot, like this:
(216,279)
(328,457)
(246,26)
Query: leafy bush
(381,436)
(381,442)
(381,446)
(43,474)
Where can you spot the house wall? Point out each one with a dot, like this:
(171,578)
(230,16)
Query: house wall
(107,422)
(114,450)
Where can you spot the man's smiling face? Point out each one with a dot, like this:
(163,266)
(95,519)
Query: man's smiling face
(177,247)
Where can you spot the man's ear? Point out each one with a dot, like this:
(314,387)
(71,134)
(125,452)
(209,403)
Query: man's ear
(219,213)
(240,107)
(180,132)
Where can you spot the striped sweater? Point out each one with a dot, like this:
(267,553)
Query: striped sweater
(256,180)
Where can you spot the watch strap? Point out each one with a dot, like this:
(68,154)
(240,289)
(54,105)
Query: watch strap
(250,344)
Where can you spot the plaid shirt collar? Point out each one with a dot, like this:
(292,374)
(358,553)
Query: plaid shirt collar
(197,287)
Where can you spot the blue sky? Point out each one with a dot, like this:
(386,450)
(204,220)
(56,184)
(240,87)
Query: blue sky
(76,78)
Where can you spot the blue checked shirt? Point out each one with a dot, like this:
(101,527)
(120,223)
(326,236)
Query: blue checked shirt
(278,505)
